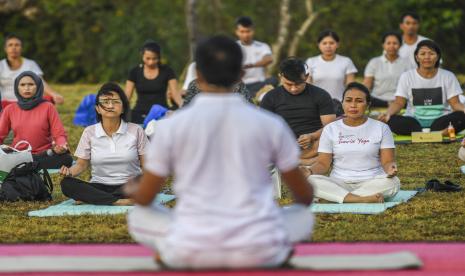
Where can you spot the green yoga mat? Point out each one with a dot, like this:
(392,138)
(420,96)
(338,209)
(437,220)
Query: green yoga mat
(363,208)
(68,208)
(407,139)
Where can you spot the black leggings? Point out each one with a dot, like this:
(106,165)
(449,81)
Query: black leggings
(54,161)
(405,125)
(375,102)
(92,193)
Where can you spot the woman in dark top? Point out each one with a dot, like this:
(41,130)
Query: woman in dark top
(154,82)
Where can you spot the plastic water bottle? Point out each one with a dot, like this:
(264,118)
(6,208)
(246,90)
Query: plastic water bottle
(451,131)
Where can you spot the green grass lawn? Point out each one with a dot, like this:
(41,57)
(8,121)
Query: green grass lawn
(427,217)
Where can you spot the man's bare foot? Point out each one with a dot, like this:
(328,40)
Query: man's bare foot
(308,161)
(124,202)
(376,198)
(78,202)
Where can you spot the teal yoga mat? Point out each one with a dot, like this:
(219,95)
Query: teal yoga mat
(363,208)
(68,208)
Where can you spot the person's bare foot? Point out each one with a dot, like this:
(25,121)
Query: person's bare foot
(308,161)
(78,202)
(376,198)
(124,202)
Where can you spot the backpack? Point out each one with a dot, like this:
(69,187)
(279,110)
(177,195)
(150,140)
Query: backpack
(24,182)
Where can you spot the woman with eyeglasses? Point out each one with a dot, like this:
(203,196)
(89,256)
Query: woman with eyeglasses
(36,121)
(153,81)
(113,147)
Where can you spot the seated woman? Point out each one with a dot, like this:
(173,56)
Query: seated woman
(361,152)
(431,94)
(36,121)
(154,82)
(113,148)
(382,73)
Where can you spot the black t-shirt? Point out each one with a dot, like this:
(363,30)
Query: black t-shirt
(150,91)
(301,112)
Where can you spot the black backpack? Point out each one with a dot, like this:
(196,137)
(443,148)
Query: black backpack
(24,182)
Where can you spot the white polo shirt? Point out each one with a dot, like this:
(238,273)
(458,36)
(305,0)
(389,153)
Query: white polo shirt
(114,159)
(407,51)
(253,53)
(330,75)
(386,74)
(219,149)
(8,76)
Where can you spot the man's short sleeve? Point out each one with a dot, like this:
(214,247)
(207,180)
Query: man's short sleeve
(370,69)
(287,150)
(158,157)
(387,142)
(325,104)
(268,102)
(326,145)
(266,50)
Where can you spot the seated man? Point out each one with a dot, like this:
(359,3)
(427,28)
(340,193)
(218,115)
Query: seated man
(305,107)
(219,150)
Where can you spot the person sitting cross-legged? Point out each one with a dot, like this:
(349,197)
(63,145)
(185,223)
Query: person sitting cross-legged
(361,152)
(219,150)
(113,147)
(305,107)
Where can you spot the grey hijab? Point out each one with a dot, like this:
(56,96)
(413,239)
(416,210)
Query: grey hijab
(27,104)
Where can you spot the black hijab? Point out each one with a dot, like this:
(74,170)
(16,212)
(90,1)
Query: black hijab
(27,104)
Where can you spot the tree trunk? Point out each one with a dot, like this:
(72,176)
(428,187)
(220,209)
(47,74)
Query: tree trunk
(192,30)
(283,33)
(311,16)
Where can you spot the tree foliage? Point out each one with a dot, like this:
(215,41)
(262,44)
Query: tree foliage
(92,41)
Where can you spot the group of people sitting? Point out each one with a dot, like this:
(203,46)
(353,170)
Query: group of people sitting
(219,148)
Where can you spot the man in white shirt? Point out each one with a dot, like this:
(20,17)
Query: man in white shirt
(219,149)
(257,55)
(13,65)
(409,24)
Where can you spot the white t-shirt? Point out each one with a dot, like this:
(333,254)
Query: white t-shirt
(219,149)
(427,98)
(386,74)
(407,51)
(190,76)
(356,150)
(330,75)
(253,53)
(114,159)
(8,76)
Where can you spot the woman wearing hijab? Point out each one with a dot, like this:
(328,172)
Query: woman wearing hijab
(36,121)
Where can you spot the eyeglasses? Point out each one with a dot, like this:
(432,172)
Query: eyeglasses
(107,102)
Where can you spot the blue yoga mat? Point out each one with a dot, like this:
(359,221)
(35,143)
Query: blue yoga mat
(67,208)
(363,208)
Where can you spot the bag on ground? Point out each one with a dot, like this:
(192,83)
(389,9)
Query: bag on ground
(26,182)
(10,157)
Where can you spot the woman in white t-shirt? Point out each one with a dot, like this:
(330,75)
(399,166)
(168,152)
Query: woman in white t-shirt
(329,70)
(113,147)
(13,65)
(431,94)
(361,152)
(382,73)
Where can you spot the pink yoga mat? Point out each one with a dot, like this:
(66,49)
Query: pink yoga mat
(438,258)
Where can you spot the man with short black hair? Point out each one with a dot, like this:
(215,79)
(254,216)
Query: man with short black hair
(409,24)
(306,108)
(257,55)
(219,149)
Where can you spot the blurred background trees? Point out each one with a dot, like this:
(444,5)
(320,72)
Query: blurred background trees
(95,41)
